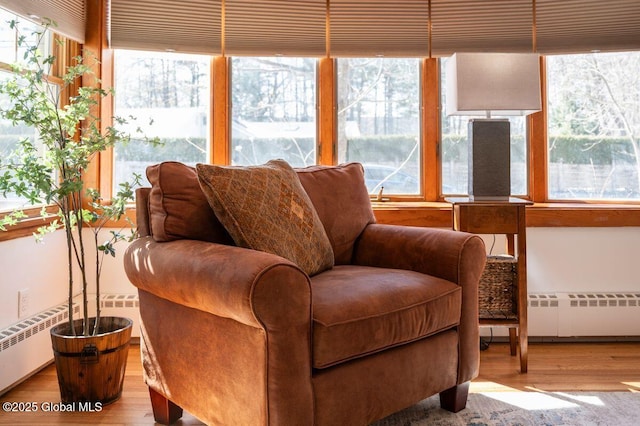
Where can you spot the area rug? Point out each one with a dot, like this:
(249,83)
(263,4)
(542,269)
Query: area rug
(526,409)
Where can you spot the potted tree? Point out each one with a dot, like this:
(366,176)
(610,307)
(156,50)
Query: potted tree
(90,351)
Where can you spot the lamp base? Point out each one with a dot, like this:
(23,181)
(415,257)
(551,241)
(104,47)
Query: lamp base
(489,159)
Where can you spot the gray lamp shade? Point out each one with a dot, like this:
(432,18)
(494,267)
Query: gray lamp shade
(493,84)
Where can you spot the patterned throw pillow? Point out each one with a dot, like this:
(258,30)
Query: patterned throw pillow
(265,208)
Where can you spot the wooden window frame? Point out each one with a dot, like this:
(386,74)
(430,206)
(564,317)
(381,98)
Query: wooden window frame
(431,209)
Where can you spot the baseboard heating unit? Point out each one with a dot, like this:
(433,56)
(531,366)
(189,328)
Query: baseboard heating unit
(25,346)
(122,305)
(588,314)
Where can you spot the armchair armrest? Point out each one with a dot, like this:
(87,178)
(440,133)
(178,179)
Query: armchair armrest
(267,296)
(451,255)
(458,257)
(227,281)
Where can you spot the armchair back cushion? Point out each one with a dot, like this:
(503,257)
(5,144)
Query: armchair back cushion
(178,208)
(340,196)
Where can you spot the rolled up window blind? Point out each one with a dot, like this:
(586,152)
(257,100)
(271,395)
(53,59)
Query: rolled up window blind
(192,26)
(369,28)
(481,26)
(68,15)
(579,26)
(379,28)
(275,27)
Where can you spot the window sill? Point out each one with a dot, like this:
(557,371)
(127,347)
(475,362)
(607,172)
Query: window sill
(583,215)
(438,214)
(25,227)
(28,226)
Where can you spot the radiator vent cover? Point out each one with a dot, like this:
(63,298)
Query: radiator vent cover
(40,322)
(590,300)
(584,314)
(119,301)
(543,301)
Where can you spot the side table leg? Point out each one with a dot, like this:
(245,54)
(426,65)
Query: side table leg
(524,351)
(513,343)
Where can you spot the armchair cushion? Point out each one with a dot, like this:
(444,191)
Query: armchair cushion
(265,208)
(177,207)
(360,310)
(341,199)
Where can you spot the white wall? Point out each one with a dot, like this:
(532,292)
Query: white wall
(563,260)
(113,278)
(39,267)
(583,259)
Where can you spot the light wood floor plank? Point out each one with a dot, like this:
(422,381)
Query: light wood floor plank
(552,367)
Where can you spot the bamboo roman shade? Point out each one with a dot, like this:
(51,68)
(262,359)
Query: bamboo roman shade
(69,15)
(379,28)
(275,27)
(191,26)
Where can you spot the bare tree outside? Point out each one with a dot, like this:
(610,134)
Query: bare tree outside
(169,95)
(379,121)
(594,126)
(273,110)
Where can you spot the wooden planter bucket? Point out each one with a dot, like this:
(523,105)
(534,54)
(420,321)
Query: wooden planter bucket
(91,369)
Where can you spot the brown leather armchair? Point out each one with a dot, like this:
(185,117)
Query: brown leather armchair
(241,337)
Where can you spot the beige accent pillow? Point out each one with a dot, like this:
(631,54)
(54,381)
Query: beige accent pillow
(265,208)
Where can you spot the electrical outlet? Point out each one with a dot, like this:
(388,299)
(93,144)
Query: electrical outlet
(23,302)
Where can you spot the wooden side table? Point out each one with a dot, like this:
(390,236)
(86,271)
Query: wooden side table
(501,217)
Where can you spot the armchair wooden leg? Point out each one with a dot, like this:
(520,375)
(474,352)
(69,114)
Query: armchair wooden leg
(164,411)
(455,399)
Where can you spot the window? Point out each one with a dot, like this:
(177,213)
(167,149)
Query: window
(454,149)
(594,126)
(10,136)
(11,52)
(273,110)
(379,121)
(168,96)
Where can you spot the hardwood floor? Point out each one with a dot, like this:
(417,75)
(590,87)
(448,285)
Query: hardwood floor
(552,367)
(556,367)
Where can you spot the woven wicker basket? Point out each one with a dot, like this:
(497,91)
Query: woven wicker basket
(498,288)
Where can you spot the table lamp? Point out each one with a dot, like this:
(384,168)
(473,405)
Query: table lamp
(482,84)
